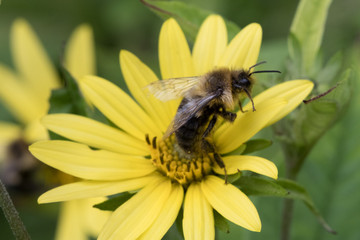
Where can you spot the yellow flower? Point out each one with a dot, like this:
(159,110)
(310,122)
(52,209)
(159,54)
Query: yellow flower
(26,92)
(112,160)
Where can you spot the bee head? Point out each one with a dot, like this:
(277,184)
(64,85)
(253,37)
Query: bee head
(242,82)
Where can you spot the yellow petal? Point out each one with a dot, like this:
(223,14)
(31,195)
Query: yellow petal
(167,216)
(294,92)
(69,223)
(250,163)
(94,134)
(231,203)
(19,99)
(136,215)
(174,56)
(92,219)
(78,219)
(90,189)
(229,136)
(79,160)
(210,44)
(243,50)
(9,132)
(117,106)
(174,53)
(198,221)
(35,131)
(32,61)
(80,52)
(137,76)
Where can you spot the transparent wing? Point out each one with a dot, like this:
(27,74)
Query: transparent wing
(187,111)
(173,88)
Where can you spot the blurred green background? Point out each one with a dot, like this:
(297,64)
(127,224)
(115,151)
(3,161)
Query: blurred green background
(331,173)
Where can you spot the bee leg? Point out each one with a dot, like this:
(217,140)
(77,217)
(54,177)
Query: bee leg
(241,109)
(229,116)
(221,164)
(210,126)
(249,96)
(210,148)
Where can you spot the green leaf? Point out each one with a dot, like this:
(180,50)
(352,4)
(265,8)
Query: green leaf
(295,191)
(67,99)
(253,185)
(188,16)
(70,100)
(327,75)
(298,192)
(221,223)
(331,176)
(256,145)
(294,66)
(316,117)
(308,27)
(237,151)
(114,202)
(234,177)
(299,134)
(259,186)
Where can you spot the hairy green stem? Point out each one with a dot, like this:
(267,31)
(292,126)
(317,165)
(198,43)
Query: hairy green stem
(12,216)
(287,216)
(288,206)
(294,159)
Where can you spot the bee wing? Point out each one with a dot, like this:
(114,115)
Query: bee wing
(187,111)
(172,88)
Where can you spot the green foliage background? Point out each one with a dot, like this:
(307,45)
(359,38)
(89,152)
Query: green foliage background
(331,172)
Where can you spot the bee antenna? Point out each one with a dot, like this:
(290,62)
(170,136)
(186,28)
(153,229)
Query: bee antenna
(265,71)
(257,64)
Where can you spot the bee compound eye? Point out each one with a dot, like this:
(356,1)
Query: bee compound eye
(244,82)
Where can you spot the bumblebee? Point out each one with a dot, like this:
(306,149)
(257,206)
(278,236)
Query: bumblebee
(205,99)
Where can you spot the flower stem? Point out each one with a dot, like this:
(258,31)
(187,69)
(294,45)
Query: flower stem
(287,219)
(294,159)
(12,216)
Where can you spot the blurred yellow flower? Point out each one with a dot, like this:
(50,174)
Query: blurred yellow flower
(112,160)
(26,92)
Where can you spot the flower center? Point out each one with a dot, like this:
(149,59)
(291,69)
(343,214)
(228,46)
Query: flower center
(174,163)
